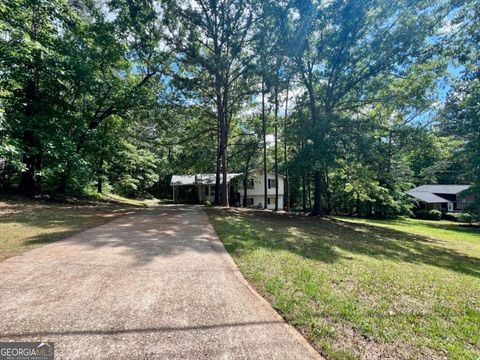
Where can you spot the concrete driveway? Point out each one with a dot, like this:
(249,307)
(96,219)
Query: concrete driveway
(156,284)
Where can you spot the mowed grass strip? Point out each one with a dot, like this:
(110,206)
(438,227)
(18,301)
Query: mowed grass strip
(25,224)
(362,291)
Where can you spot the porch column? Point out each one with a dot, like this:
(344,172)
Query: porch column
(173,194)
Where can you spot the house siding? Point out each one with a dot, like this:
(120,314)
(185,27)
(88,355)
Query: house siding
(257,193)
(206,192)
(464,201)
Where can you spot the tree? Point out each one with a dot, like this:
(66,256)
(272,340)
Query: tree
(343,48)
(462,110)
(213,36)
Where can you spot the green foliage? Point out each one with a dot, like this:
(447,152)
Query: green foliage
(133,170)
(428,214)
(459,217)
(376,278)
(65,70)
(122,95)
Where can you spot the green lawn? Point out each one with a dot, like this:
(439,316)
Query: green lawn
(25,224)
(400,289)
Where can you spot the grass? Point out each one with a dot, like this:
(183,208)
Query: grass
(25,224)
(402,289)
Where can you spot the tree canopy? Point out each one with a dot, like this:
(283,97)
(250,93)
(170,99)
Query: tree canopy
(361,99)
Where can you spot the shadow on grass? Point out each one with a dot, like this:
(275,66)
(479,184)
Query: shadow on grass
(319,239)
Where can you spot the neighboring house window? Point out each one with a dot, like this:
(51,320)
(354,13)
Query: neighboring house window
(270,201)
(250,184)
(212,190)
(271,183)
(206,190)
(250,201)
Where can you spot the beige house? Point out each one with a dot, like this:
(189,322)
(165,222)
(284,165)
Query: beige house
(196,189)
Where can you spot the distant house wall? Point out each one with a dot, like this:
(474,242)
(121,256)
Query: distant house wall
(207,193)
(258,188)
(257,191)
(258,200)
(200,193)
(465,201)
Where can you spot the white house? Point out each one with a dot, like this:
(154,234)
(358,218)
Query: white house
(196,189)
(256,190)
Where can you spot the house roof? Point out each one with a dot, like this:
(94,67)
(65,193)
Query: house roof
(427,197)
(441,189)
(199,179)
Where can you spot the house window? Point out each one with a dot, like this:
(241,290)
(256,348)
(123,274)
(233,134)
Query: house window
(271,183)
(212,190)
(270,200)
(206,190)
(250,201)
(250,184)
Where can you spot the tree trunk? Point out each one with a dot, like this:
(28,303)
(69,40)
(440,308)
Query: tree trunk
(304,192)
(100,175)
(224,147)
(309,185)
(245,181)
(329,195)
(317,207)
(219,164)
(99,184)
(264,131)
(317,194)
(27,184)
(276,148)
(285,140)
(224,192)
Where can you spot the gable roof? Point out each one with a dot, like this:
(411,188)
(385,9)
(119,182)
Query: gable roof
(441,189)
(427,197)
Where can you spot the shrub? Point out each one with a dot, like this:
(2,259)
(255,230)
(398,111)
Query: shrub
(207,203)
(459,217)
(428,214)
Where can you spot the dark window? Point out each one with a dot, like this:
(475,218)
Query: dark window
(212,190)
(250,184)
(206,190)
(271,183)
(250,201)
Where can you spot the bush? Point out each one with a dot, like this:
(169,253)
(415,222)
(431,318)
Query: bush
(207,203)
(459,217)
(428,214)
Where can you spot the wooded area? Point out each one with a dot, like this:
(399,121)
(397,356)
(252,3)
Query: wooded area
(355,101)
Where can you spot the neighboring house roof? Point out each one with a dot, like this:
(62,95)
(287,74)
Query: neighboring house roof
(427,197)
(199,179)
(430,193)
(441,189)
